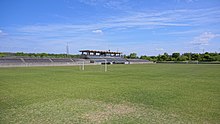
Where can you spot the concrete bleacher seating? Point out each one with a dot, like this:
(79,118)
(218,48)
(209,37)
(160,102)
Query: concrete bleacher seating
(33,60)
(61,60)
(137,60)
(77,60)
(21,62)
(119,60)
(94,57)
(10,60)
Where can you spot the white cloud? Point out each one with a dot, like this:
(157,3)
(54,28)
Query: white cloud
(159,49)
(139,20)
(187,1)
(204,38)
(113,4)
(2,33)
(97,31)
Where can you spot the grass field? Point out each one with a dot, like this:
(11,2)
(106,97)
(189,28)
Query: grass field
(153,93)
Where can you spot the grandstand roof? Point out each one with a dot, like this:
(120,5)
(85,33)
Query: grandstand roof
(98,51)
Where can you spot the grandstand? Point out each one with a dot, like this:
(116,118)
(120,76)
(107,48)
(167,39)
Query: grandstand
(96,56)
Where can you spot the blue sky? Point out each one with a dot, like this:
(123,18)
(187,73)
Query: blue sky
(146,27)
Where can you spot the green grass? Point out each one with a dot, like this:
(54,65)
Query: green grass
(154,93)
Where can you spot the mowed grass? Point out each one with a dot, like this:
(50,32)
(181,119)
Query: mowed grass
(152,93)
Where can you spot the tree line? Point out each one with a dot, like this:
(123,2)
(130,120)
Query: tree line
(179,57)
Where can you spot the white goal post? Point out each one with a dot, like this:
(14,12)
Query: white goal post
(106,68)
(82,65)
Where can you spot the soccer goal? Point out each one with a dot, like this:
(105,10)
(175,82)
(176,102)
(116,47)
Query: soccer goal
(100,65)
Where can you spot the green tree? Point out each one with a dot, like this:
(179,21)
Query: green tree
(125,56)
(153,58)
(145,57)
(182,58)
(188,55)
(159,58)
(133,55)
(163,58)
(207,57)
(196,57)
(175,55)
(19,54)
(217,58)
(2,54)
